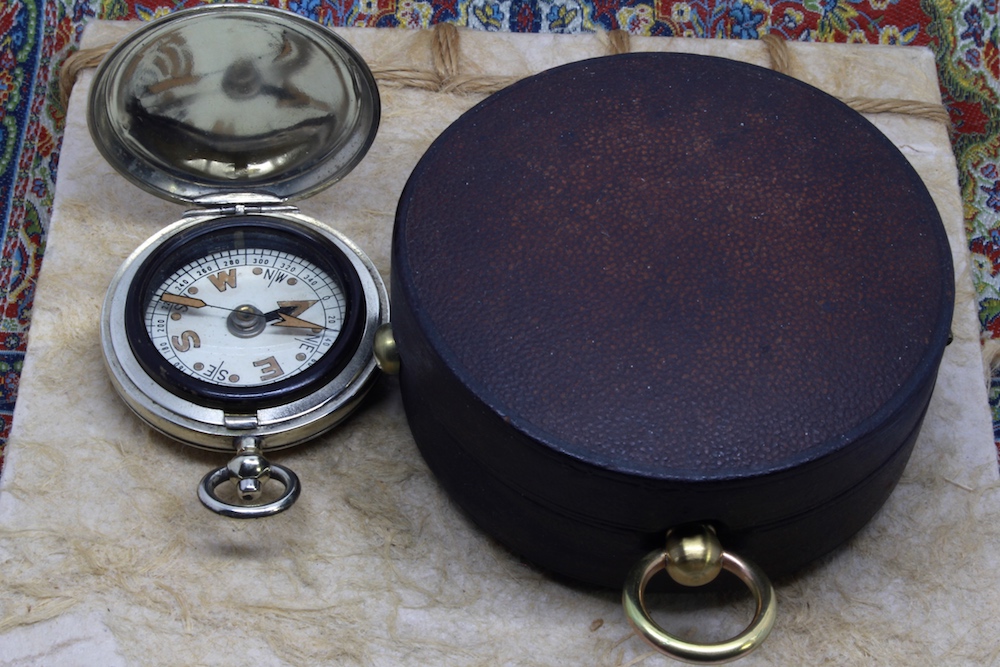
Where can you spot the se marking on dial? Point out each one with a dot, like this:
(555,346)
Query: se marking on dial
(245,317)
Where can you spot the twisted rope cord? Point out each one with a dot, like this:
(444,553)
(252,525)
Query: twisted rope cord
(781,61)
(76,63)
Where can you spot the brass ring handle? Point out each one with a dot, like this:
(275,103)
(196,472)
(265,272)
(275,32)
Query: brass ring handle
(693,557)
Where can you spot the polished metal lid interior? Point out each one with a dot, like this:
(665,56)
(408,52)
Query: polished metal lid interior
(231,102)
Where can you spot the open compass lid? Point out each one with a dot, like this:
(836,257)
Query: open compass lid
(233,103)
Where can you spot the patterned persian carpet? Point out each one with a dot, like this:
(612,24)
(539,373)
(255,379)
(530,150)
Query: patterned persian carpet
(37,35)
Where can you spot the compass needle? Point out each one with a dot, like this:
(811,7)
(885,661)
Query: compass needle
(181,300)
(296,308)
(291,321)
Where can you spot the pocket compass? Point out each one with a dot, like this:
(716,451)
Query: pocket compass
(246,326)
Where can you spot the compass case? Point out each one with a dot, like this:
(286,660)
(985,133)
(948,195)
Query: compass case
(238,110)
(641,291)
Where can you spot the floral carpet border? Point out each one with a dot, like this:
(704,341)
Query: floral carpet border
(37,35)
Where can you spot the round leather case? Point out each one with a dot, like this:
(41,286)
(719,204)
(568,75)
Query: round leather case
(641,291)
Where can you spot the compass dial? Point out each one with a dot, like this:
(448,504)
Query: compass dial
(247,317)
(245,313)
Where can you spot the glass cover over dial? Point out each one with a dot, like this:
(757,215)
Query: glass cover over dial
(246,311)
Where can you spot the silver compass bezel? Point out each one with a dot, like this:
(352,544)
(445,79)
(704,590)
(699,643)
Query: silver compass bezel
(277,426)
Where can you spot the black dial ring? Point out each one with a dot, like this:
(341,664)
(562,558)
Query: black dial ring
(243,232)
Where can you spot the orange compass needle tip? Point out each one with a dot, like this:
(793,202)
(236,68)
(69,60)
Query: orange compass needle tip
(182,300)
(291,321)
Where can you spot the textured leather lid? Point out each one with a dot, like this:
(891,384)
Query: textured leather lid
(676,266)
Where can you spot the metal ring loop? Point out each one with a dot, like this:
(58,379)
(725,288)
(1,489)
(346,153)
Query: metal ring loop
(206,493)
(633,600)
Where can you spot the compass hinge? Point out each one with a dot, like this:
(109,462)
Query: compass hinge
(244,209)
(239,422)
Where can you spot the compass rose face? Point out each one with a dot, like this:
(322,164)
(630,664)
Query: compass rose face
(246,316)
(248,310)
